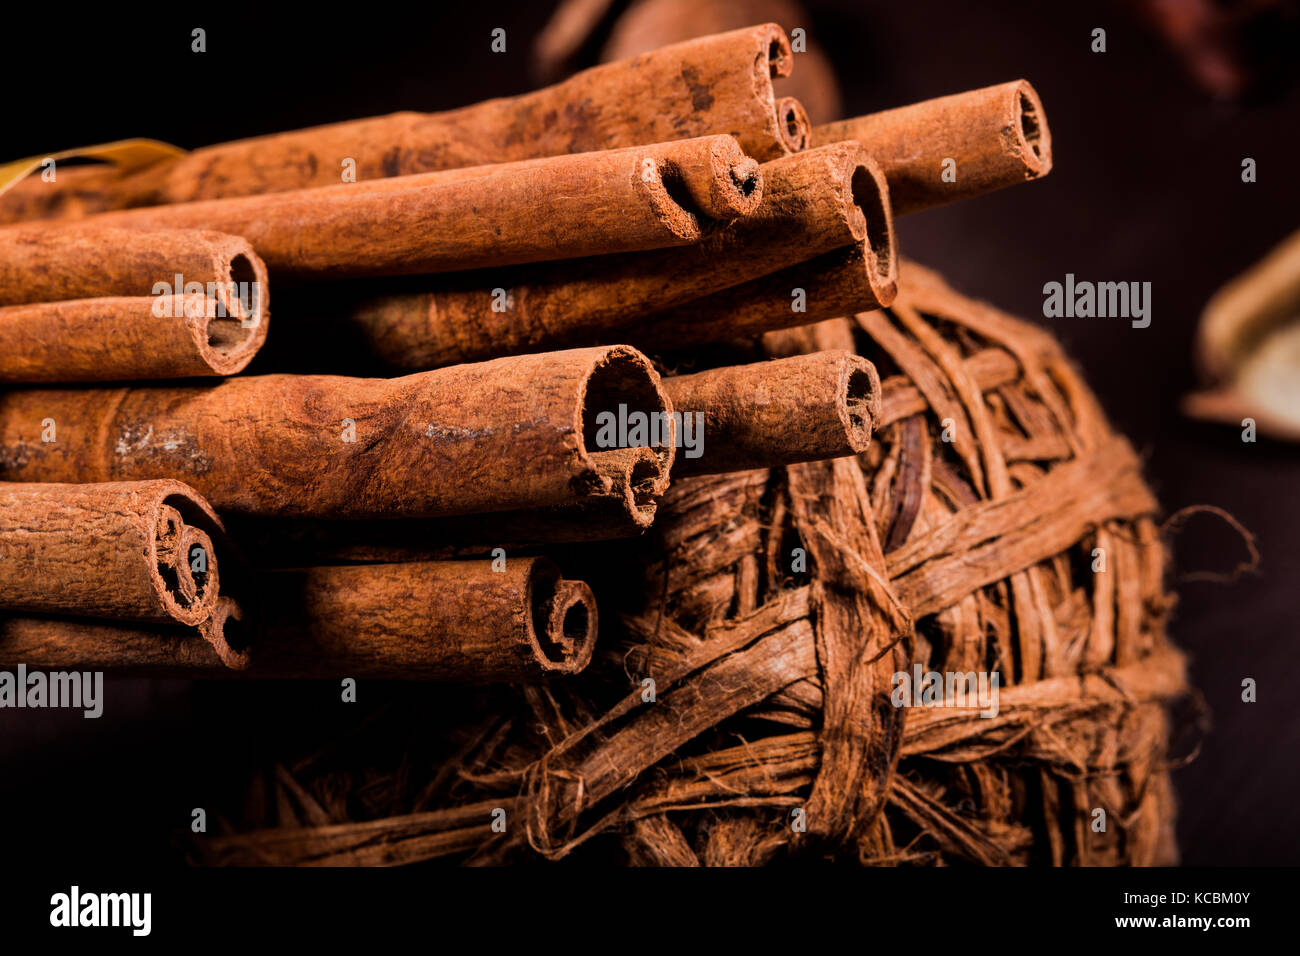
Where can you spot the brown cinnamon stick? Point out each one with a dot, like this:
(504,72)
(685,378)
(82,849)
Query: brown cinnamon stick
(566,206)
(803,408)
(996,136)
(813,202)
(513,433)
(39,264)
(123,338)
(710,175)
(215,649)
(625,510)
(842,282)
(710,85)
(464,621)
(138,550)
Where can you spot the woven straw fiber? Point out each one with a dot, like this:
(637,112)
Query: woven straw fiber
(996,523)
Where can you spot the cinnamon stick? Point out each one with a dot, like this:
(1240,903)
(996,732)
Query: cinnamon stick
(123,338)
(813,202)
(803,408)
(518,432)
(710,175)
(218,646)
(625,510)
(39,264)
(996,137)
(464,621)
(842,282)
(137,550)
(563,207)
(710,85)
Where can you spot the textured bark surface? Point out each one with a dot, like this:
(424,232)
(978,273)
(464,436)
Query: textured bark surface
(115,550)
(712,175)
(508,434)
(38,264)
(123,338)
(566,206)
(463,621)
(843,281)
(803,408)
(997,136)
(715,84)
(812,202)
(217,647)
(638,479)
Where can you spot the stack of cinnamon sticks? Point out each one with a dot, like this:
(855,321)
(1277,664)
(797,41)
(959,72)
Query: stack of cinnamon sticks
(527,273)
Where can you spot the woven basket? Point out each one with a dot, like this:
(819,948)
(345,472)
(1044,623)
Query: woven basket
(742,712)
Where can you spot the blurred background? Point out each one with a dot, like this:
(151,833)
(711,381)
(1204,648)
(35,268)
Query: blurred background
(1148,138)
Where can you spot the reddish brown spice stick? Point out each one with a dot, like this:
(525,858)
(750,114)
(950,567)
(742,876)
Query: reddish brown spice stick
(139,550)
(712,175)
(465,621)
(39,264)
(624,511)
(121,338)
(566,206)
(710,85)
(813,202)
(512,433)
(803,408)
(218,647)
(842,282)
(996,136)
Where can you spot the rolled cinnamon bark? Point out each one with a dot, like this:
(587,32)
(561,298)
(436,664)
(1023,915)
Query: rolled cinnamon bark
(39,264)
(137,550)
(124,338)
(813,202)
(710,85)
(520,432)
(842,282)
(566,206)
(625,510)
(803,408)
(710,175)
(996,136)
(219,646)
(464,621)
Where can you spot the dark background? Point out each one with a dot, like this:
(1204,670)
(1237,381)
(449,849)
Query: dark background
(1146,187)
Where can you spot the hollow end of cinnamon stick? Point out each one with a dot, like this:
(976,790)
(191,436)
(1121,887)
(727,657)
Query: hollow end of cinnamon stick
(778,59)
(1030,125)
(792,124)
(183,558)
(229,634)
(623,389)
(858,401)
(229,335)
(880,252)
(713,177)
(637,480)
(565,622)
(230,338)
